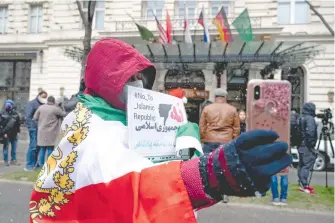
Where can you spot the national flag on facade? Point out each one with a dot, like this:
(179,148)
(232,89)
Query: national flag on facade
(243,26)
(203,22)
(145,33)
(168,28)
(162,34)
(187,33)
(222,25)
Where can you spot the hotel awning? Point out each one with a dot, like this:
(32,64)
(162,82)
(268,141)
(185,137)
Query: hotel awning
(283,53)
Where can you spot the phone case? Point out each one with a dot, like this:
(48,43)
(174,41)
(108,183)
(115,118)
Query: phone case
(272,109)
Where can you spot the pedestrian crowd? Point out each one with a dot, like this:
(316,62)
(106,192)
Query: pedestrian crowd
(43,117)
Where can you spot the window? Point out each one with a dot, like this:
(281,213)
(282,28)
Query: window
(216,7)
(36,19)
(301,12)
(293,12)
(189,6)
(3,20)
(154,7)
(99,14)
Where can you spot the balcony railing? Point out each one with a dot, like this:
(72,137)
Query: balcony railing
(177,24)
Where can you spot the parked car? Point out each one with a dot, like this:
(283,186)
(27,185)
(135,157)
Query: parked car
(324,159)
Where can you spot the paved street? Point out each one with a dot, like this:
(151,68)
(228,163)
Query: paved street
(14,200)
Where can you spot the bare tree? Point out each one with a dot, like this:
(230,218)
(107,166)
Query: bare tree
(87,19)
(321,17)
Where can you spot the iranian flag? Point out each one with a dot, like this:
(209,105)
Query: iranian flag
(92,177)
(188,136)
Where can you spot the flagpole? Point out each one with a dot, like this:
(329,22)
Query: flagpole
(130,16)
(195,31)
(185,20)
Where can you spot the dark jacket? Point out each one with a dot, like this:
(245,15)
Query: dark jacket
(70,105)
(308,126)
(29,112)
(242,127)
(12,120)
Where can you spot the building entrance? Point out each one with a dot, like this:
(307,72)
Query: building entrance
(15,83)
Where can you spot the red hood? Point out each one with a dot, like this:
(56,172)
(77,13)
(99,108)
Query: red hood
(110,64)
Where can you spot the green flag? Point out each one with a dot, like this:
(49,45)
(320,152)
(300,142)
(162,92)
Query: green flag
(243,26)
(145,33)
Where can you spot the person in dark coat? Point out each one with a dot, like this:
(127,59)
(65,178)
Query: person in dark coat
(31,124)
(307,153)
(242,116)
(11,131)
(70,104)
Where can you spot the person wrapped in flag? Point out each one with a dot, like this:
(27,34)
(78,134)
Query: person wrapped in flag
(93,177)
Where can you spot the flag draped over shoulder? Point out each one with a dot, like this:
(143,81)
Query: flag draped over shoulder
(222,25)
(92,177)
(145,33)
(243,26)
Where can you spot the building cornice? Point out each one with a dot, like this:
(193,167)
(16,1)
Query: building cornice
(307,37)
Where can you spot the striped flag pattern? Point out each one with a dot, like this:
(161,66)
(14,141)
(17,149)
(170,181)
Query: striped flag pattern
(203,22)
(162,34)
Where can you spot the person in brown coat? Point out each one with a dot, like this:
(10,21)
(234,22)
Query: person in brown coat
(219,122)
(49,117)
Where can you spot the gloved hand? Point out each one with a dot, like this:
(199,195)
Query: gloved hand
(239,168)
(245,165)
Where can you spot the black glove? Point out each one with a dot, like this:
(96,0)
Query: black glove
(244,166)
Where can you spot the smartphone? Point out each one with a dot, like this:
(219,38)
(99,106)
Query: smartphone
(268,106)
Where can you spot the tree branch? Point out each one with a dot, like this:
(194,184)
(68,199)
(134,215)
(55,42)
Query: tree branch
(321,17)
(81,12)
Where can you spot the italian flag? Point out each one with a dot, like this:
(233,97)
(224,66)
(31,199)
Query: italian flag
(92,177)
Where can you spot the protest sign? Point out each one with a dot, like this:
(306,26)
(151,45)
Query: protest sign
(153,120)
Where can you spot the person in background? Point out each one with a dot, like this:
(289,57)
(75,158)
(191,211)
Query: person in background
(31,124)
(219,124)
(306,149)
(49,118)
(69,105)
(243,117)
(282,199)
(11,133)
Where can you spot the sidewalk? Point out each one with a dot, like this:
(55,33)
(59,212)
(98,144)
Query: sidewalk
(22,147)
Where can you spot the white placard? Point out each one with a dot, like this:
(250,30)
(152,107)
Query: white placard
(153,119)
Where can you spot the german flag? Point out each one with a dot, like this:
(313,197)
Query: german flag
(221,23)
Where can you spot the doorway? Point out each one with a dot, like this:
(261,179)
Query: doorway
(15,83)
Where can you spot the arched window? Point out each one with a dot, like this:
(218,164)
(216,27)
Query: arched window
(296,77)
